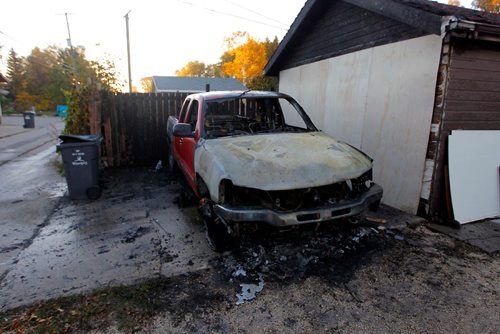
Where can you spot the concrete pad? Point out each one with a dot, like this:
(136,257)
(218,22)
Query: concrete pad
(484,234)
(132,233)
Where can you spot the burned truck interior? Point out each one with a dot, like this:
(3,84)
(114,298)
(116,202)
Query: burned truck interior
(246,116)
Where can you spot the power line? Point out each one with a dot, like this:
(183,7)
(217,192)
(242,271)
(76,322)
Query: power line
(1,32)
(230,14)
(255,12)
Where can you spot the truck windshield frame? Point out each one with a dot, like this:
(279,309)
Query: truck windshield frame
(251,115)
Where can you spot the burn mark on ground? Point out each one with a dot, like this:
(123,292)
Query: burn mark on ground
(135,233)
(332,252)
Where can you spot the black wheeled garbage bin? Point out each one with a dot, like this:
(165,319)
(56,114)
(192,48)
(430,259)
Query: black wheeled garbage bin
(29,119)
(80,155)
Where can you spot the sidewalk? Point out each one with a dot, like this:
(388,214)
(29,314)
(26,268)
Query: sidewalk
(11,130)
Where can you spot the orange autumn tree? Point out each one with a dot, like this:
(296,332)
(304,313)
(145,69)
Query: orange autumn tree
(247,57)
(244,58)
(487,5)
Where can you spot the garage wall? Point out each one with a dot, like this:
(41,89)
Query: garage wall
(379,100)
(471,102)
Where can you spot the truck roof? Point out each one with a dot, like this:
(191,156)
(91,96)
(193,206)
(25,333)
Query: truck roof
(215,95)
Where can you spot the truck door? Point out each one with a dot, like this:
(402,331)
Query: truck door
(187,145)
(176,140)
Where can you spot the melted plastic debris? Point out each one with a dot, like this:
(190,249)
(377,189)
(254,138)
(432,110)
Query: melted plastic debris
(249,291)
(399,237)
(239,272)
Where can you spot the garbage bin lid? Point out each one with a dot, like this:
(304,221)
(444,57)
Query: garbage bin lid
(79,138)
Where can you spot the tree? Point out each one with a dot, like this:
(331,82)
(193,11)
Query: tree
(104,74)
(88,77)
(271,46)
(454,3)
(15,72)
(263,82)
(192,69)
(487,5)
(147,85)
(244,59)
(249,57)
(214,70)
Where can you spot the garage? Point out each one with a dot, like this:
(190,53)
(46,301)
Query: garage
(395,78)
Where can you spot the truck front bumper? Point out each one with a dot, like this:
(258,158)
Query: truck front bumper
(316,215)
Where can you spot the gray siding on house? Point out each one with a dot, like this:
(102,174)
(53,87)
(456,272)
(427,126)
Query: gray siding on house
(341,28)
(471,102)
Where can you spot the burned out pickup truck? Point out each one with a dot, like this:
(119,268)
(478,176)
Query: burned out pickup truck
(256,157)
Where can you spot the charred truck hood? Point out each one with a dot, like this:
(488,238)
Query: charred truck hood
(282,161)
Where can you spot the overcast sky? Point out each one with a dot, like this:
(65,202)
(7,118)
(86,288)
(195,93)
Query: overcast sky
(164,35)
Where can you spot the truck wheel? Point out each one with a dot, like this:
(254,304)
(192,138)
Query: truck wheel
(217,235)
(220,238)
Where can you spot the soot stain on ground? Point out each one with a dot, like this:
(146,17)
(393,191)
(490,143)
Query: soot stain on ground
(331,252)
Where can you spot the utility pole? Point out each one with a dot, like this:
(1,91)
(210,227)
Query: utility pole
(69,33)
(128,55)
(71,50)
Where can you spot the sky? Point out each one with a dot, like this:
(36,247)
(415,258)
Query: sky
(164,35)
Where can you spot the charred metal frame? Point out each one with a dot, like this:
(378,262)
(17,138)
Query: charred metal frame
(343,209)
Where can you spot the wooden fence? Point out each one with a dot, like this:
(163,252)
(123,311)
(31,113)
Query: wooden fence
(133,126)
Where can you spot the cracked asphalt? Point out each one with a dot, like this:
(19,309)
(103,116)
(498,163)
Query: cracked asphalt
(30,184)
(134,232)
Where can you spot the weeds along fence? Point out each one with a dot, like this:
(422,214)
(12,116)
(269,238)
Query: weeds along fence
(133,126)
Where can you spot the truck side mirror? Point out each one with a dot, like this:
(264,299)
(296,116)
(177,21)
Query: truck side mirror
(183,130)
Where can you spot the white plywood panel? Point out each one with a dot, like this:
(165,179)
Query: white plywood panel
(312,92)
(398,116)
(474,160)
(380,100)
(307,85)
(289,82)
(346,88)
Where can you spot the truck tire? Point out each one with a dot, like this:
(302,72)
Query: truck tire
(219,237)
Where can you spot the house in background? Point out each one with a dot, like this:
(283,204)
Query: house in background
(394,78)
(194,84)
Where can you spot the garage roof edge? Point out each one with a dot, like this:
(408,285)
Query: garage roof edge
(421,14)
